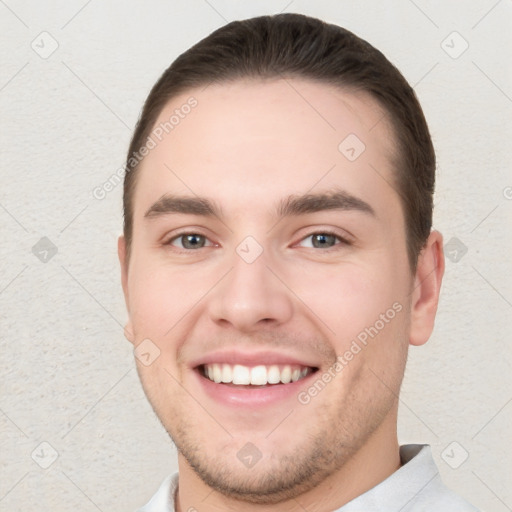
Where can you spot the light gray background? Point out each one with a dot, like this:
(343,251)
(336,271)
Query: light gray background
(68,376)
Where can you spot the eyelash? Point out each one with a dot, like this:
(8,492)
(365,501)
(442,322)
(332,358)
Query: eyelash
(341,240)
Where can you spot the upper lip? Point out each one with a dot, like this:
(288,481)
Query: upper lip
(252,358)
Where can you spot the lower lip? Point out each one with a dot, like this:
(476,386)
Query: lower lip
(252,396)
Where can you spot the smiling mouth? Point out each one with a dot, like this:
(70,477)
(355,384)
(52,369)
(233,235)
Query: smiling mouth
(260,375)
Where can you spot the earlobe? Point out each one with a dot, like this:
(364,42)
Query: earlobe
(123,261)
(128,332)
(427,286)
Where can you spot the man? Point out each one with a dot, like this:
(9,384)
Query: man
(277,261)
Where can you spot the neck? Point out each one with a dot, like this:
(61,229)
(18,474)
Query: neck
(375,461)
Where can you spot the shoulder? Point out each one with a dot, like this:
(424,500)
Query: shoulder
(439,497)
(163,499)
(432,493)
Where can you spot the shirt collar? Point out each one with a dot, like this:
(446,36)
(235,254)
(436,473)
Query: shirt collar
(417,474)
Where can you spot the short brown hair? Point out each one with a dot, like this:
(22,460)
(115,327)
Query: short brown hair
(295,45)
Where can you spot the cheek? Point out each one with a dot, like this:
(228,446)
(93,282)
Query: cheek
(362,311)
(160,297)
(352,301)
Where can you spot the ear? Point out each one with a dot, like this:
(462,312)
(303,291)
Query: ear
(123,260)
(427,285)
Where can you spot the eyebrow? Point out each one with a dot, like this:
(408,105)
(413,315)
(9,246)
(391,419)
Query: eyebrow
(293,205)
(182,204)
(332,200)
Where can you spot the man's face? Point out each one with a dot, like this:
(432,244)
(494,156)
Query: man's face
(273,285)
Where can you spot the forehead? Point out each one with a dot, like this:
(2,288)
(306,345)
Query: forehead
(253,139)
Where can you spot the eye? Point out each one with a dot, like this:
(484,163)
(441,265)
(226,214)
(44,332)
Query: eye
(189,241)
(323,240)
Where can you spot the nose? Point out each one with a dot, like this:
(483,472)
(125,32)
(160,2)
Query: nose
(251,296)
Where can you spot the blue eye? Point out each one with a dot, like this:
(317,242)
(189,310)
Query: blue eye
(322,240)
(189,241)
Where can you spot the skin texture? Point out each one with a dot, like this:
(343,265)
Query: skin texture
(247,146)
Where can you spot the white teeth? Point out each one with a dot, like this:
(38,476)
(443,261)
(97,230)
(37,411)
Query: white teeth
(286,375)
(273,375)
(227,374)
(241,375)
(257,375)
(217,373)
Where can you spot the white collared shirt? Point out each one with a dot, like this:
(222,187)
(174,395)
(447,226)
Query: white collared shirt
(415,487)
